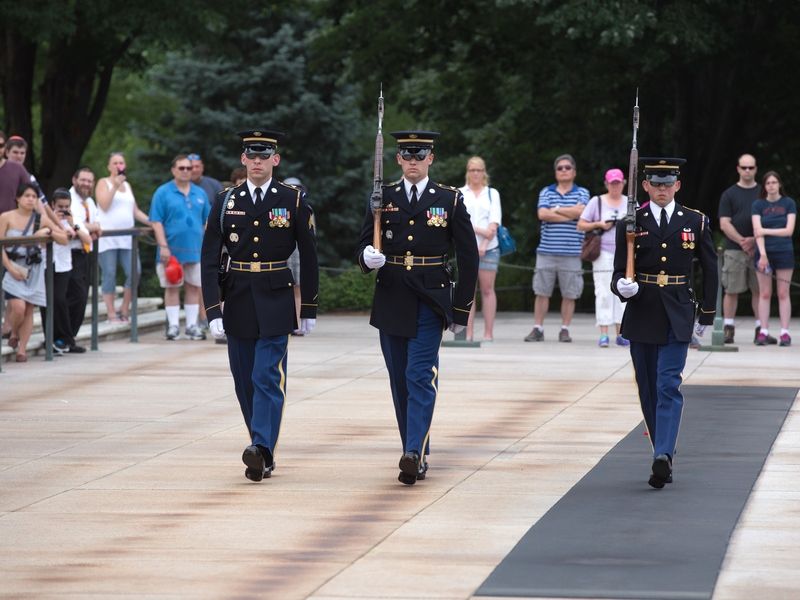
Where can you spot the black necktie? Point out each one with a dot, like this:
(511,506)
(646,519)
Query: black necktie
(413,195)
(258,195)
(663,224)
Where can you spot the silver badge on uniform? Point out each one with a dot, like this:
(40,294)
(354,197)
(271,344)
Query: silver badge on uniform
(397,189)
(389,234)
(234,237)
(242,193)
(430,191)
(230,203)
(273,190)
(680,213)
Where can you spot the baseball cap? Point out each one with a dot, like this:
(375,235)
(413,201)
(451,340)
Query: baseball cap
(614,175)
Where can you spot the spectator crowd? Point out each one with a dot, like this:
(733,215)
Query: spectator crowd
(757,220)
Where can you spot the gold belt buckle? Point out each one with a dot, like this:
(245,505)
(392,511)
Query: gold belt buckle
(662,279)
(408,262)
(255,267)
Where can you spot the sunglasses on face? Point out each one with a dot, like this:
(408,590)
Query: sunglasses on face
(261,155)
(184,168)
(409,154)
(748,168)
(666,185)
(564,168)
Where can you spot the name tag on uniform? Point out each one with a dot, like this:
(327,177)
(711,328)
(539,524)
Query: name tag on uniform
(235,212)
(641,233)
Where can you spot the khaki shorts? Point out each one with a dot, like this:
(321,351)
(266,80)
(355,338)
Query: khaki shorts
(567,269)
(738,272)
(191,275)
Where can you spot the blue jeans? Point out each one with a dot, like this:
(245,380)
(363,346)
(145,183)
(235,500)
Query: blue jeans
(108,260)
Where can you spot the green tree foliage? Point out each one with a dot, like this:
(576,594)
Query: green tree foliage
(61,56)
(258,77)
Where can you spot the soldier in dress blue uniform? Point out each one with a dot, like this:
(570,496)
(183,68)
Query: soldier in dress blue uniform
(421,221)
(247,288)
(660,311)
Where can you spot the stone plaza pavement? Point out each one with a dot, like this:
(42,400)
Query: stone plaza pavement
(120,470)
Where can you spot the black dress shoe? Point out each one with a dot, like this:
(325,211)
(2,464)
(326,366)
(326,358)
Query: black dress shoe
(409,468)
(423,470)
(662,472)
(254,458)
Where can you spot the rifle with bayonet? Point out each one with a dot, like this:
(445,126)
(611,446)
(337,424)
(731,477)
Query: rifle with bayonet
(630,215)
(376,201)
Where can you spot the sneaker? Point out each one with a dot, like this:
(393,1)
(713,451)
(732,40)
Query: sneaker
(563,335)
(60,347)
(770,340)
(75,349)
(173,332)
(195,333)
(786,340)
(621,341)
(536,335)
(202,324)
(603,343)
(728,331)
(755,336)
(761,339)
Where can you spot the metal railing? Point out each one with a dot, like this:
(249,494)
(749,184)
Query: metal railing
(134,232)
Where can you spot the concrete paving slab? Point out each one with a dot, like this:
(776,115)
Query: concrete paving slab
(120,470)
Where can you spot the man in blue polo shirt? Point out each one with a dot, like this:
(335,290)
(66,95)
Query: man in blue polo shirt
(178,214)
(559,251)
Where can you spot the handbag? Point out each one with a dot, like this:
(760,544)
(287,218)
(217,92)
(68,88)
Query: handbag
(590,248)
(505,240)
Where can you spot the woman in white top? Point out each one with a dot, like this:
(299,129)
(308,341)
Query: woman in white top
(601,214)
(483,205)
(117,209)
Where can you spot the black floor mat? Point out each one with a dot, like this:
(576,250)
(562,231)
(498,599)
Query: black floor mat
(612,536)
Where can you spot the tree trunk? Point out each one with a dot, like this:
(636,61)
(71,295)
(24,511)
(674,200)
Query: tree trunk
(17,60)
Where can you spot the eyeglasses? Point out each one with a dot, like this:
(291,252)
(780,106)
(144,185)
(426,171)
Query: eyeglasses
(184,168)
(421,154)
(261,155)
(667,185)
(564,168)
(747,168)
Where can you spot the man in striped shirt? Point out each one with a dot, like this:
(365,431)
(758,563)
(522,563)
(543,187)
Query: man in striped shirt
(559,251)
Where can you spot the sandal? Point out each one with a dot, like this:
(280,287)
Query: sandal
(21,357)
(13,342)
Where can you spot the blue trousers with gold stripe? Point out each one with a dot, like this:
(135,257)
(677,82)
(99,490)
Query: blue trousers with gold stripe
(259,375)
(413,365)
(658,376)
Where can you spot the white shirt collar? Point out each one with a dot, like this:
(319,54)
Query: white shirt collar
(420,187)
(670,208)
(251,187)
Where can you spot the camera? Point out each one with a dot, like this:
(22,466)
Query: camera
(33,255)
(121,172)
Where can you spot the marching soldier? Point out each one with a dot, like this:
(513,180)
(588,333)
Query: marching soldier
(420,222)
(660,310)
(247,288)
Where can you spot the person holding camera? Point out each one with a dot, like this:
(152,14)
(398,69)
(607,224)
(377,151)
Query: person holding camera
(23,283)
(118,210)
(63,338)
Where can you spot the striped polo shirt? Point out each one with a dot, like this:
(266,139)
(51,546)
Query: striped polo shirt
(561,239)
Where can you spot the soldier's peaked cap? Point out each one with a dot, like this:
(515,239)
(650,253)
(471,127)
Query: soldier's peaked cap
(415,139)
(261,140)
(662,169)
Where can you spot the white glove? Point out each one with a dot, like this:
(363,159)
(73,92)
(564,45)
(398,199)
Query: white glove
(216,329)
(456,328)
(627,288)
(307,325)
(373,259)
(699,330)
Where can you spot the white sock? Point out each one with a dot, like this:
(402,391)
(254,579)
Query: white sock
(758,323)
(564,326)
(191,310)
(764,332)
(728,322)
(784,331)
(539,327)
(173,315)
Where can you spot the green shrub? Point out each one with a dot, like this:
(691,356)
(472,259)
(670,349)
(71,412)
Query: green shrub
(345,290)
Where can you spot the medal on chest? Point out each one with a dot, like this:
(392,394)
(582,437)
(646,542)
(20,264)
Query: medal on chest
(437,217)
(279,217)
(687,239)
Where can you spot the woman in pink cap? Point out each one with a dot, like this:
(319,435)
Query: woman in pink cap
(601,213)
